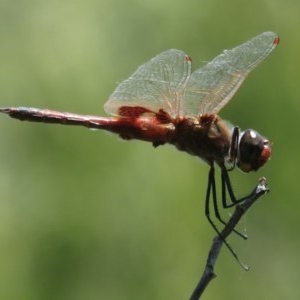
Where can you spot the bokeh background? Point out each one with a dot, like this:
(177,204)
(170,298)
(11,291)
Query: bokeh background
(84,215)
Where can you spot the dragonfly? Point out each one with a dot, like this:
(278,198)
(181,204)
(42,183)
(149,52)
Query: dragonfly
(164,102)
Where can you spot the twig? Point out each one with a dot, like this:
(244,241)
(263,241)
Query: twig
(208,273)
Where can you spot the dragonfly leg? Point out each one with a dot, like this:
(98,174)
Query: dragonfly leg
(234,147)
(211,190)
(226,186)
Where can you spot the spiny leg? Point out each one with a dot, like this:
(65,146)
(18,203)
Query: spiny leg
(226,186)
(211,189)
(234,148)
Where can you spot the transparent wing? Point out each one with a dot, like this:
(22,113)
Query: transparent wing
(158,84)
(212,86)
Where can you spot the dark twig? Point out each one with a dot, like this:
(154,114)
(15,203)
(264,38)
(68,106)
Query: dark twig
(240,209)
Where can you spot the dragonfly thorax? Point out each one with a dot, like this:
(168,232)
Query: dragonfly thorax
(207,137)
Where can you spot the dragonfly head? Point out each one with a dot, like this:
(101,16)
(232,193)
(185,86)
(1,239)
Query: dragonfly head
(254,151)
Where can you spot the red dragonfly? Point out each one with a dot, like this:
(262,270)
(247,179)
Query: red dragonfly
(164,102)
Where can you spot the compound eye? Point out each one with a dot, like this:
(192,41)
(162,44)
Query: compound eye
(254,151)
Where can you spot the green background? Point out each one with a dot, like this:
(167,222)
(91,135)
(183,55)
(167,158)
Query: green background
(84,215)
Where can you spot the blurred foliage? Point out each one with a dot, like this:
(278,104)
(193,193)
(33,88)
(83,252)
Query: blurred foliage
(86,216)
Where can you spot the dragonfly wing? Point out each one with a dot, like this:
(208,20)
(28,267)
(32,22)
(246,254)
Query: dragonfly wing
(212,86)
(158,84)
